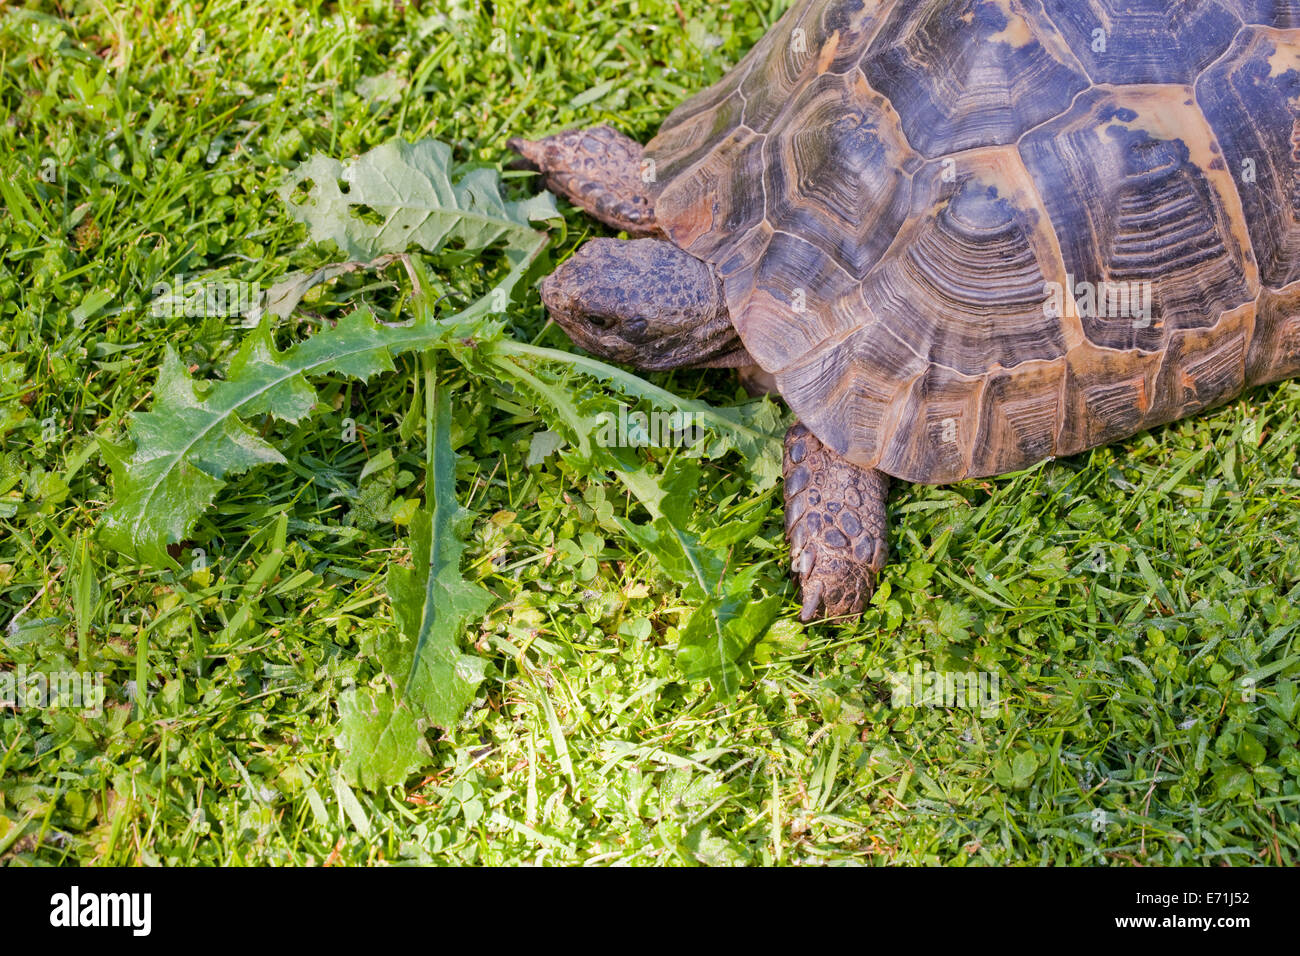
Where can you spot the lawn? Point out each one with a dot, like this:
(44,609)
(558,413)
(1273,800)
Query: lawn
(1134,608)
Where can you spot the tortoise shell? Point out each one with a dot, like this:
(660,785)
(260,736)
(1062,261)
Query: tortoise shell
(968,235)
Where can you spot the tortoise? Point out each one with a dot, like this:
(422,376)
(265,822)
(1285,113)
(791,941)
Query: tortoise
(958,237)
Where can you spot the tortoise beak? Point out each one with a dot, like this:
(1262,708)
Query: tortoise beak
(565,307)
(559,301)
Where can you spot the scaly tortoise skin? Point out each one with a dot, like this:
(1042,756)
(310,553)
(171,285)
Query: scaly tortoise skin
(887,191)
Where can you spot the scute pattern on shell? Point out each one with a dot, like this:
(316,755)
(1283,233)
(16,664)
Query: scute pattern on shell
(888,191)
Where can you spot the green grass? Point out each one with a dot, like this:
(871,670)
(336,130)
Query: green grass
(1138,604)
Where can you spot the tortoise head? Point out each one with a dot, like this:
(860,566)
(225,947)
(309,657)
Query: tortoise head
(643,302)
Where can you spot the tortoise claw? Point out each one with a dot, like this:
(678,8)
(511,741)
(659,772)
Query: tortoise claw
(812,599)
(835,586)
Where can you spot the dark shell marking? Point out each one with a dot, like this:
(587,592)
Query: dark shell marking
(888,188)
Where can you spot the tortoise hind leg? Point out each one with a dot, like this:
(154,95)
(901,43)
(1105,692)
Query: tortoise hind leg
(597,169)
(836,526)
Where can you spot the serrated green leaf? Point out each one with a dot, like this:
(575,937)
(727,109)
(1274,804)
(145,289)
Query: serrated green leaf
(380,737)
(432,603)
(190,443)
(409,186)
(184,451)
(719,639)
(431,680)
(288,398)
(754,430)
(756,437)
(678,554)
(431,600)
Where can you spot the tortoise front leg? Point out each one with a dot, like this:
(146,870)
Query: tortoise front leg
(599,170)
(836,526)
